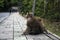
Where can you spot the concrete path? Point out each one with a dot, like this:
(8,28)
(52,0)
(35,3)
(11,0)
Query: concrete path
(3,15)
(14,26)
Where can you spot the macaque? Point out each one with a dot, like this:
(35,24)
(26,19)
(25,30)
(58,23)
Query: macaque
(34,26)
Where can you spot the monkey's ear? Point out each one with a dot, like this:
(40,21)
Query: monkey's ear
(27,13)
(26,16)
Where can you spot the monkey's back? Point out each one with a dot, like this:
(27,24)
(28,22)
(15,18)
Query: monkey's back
(35,26)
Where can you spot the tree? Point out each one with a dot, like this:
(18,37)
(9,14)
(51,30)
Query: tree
(6,4)
(27,6)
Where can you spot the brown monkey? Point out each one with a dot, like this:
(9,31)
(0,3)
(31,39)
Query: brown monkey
(34,26)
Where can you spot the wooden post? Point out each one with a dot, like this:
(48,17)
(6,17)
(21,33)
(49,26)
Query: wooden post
(45,5)
(33,8)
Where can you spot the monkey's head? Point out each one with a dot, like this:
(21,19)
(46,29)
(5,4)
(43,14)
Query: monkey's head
(29,15)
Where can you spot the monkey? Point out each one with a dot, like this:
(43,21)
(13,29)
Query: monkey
(34,26)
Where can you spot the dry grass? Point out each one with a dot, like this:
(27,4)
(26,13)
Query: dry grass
(54,27)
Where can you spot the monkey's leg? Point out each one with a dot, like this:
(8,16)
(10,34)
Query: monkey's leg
(45,31)
(27,31)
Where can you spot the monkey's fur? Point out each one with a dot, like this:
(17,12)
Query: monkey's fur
(34,26)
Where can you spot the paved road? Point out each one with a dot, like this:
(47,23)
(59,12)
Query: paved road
(14,26)
(4,15)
